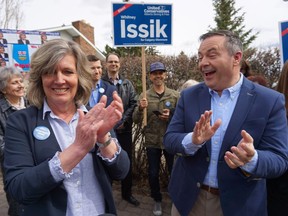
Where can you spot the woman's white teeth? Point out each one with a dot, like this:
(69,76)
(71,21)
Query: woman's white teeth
(60,90)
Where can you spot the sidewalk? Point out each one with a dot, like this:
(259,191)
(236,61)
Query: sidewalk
(3,202)
(123,207)
(146,203)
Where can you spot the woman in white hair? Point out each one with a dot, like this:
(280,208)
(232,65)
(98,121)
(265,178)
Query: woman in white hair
(11,99)
(188,83)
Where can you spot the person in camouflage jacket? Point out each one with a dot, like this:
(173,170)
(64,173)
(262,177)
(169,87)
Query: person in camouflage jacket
(160,102)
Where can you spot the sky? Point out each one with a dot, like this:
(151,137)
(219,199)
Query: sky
(190,19)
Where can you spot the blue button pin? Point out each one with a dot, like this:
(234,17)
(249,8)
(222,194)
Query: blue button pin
(167,104)
(101,90)
(41,133)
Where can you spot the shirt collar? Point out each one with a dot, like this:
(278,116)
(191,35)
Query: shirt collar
(110,77)
(47,109)
(97,85)
(233,90)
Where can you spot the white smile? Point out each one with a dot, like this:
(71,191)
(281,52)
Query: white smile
(60,90)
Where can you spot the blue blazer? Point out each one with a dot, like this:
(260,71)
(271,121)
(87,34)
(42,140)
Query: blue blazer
(27,175)
(108,91)
(261,112)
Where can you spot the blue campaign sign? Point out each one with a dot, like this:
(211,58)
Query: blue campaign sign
(284,41)
(142,24)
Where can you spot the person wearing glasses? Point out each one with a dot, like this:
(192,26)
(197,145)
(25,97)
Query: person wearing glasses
(123,128)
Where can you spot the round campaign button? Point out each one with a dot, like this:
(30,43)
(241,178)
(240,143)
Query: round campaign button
(167,104)
(41,133)
(101,90)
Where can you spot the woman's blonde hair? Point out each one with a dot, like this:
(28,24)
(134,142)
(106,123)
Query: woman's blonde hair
(45,61)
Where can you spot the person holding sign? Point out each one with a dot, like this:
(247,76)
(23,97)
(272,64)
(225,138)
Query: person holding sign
(159,102)
(232,134)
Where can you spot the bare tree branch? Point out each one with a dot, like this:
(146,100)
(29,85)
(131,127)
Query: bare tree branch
(11,14)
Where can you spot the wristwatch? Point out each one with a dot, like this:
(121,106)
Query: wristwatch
(102,145)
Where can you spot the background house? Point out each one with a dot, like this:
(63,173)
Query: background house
(80,32)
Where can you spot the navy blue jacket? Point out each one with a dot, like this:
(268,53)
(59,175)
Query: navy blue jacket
(261,112)
(108,91)
(28,178)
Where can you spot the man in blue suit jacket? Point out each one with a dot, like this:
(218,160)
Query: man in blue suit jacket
(231,134)
(101,87)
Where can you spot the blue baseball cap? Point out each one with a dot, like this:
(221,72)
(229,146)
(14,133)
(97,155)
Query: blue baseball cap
(157,66)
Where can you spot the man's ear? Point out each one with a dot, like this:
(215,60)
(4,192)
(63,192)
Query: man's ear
(238,58)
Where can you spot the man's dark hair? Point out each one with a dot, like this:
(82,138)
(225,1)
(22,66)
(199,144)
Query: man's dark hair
(233,42)
(92,58)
